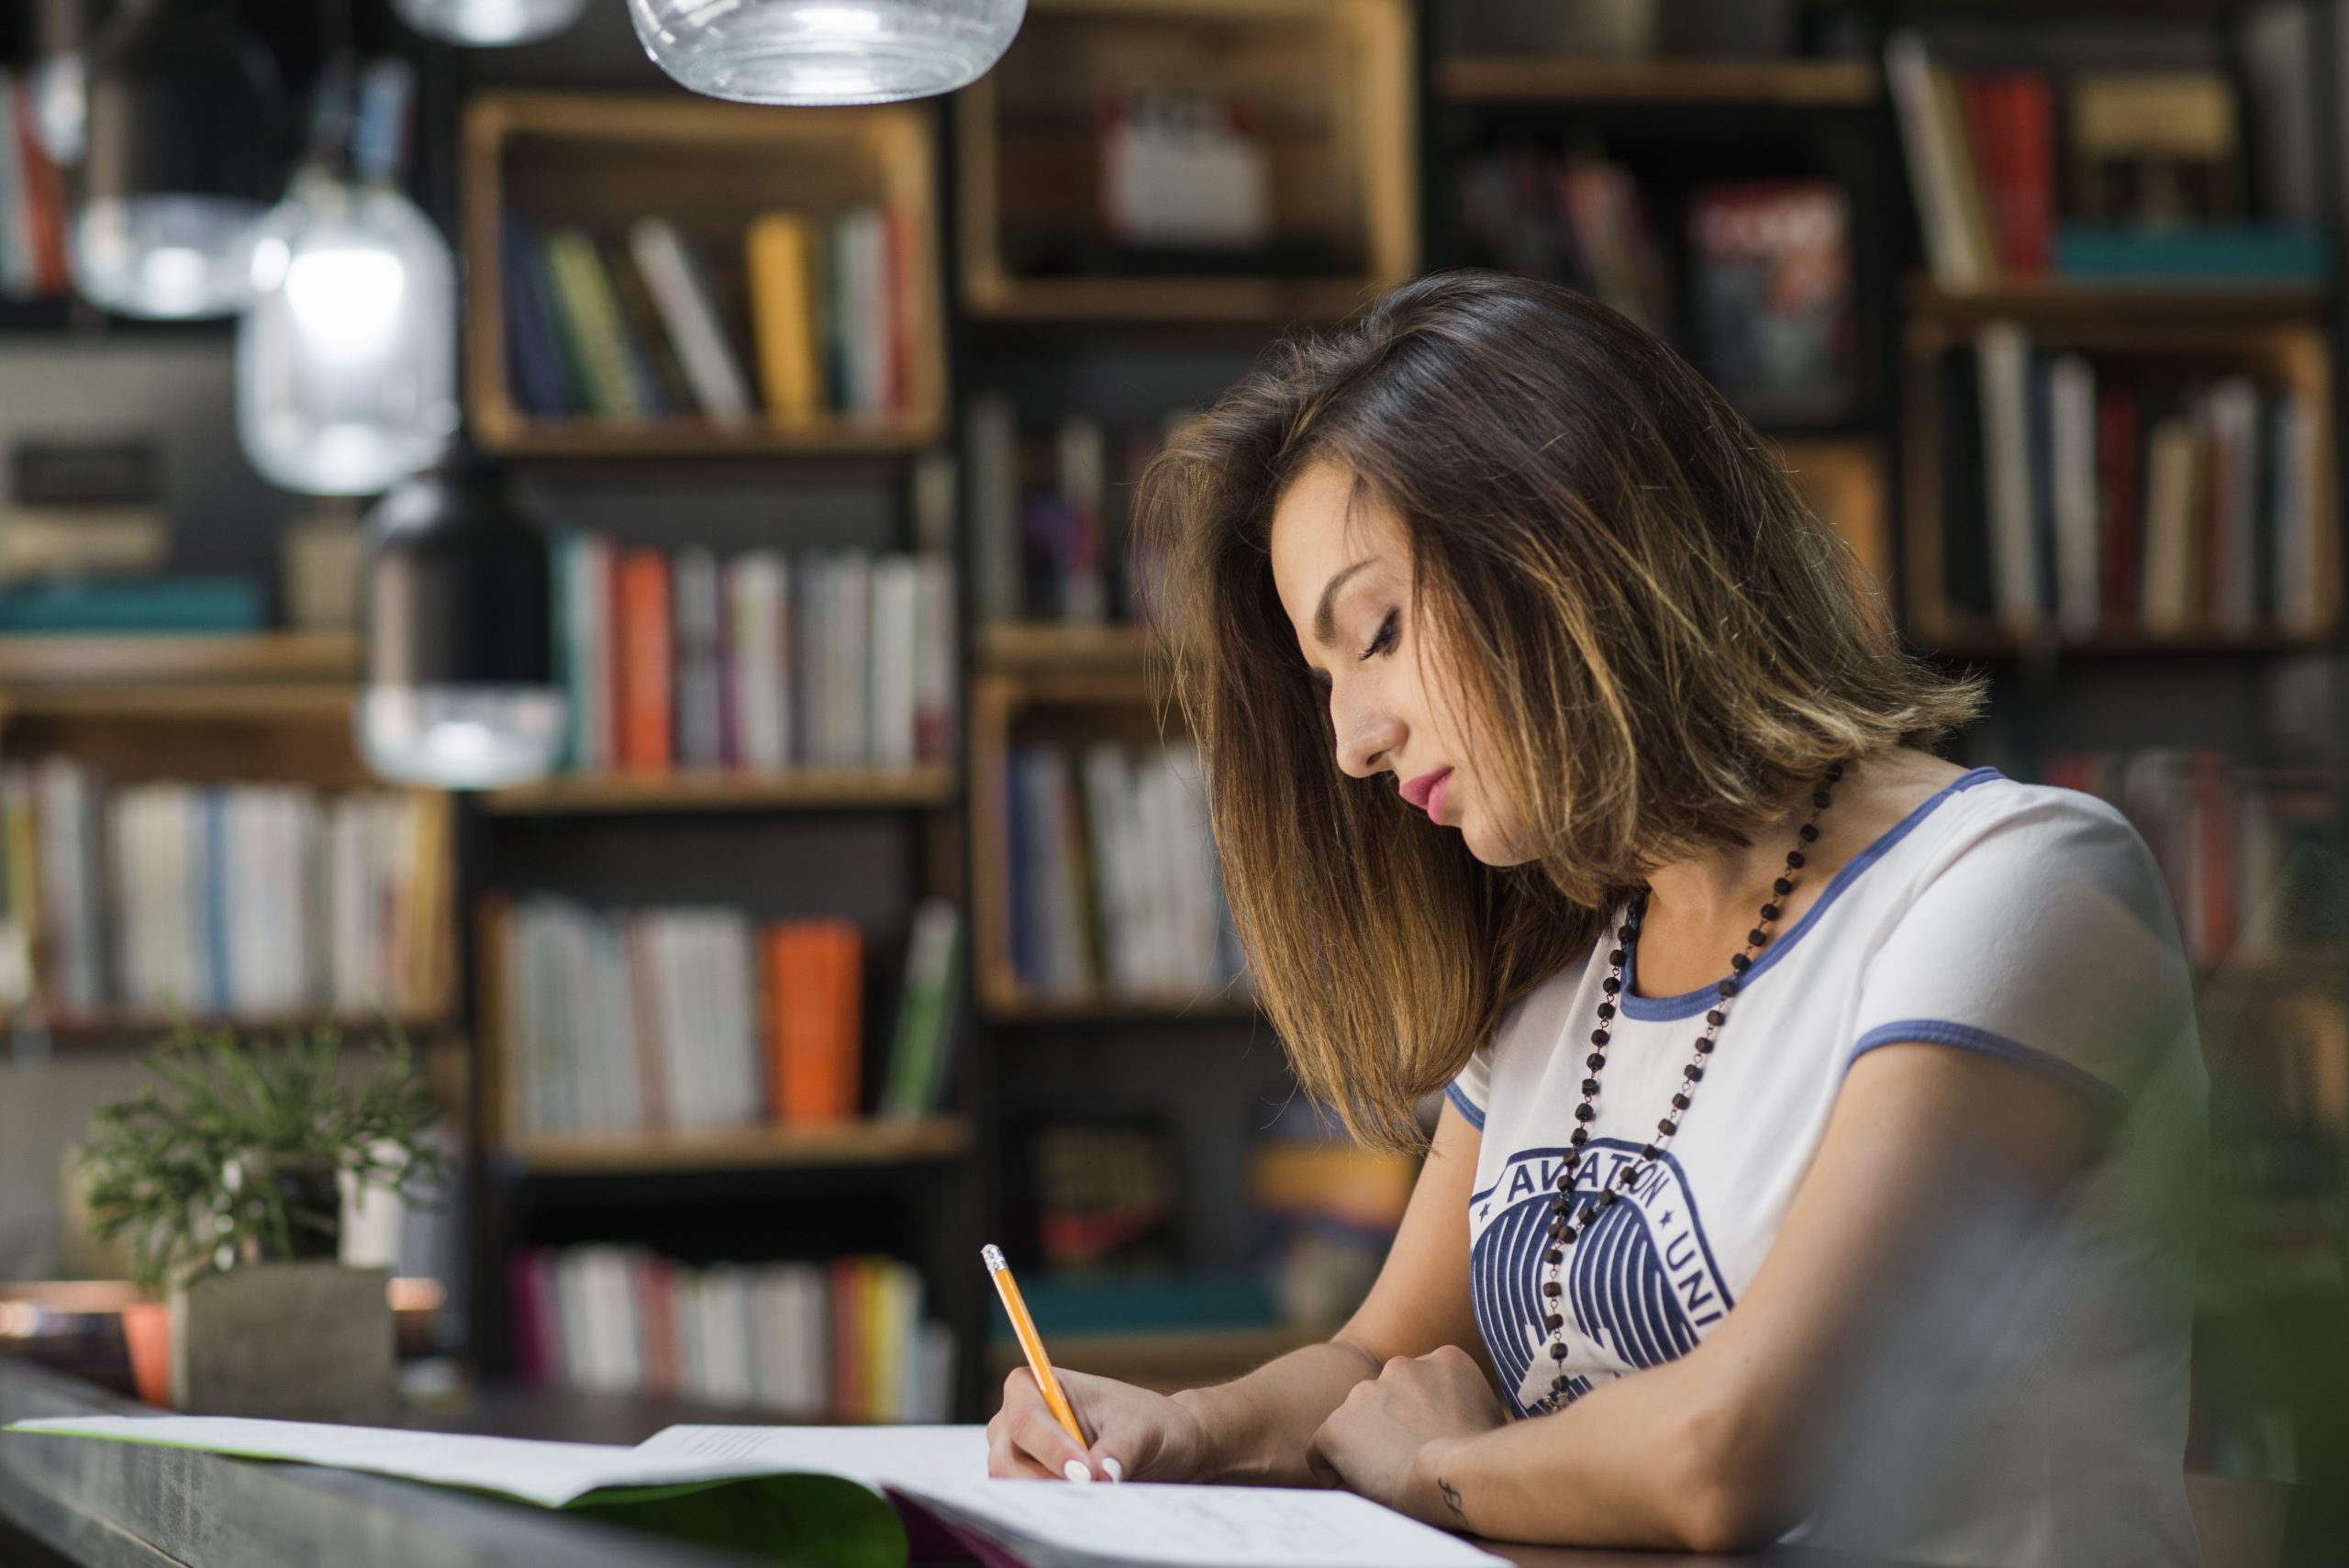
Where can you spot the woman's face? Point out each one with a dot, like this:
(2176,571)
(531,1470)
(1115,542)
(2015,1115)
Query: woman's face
(1342,567)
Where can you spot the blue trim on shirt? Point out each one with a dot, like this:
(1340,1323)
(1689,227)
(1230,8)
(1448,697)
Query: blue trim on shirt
(1689,1004)
(1966,1037)
(1468,1107)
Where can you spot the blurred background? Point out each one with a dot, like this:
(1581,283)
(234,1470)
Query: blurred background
(745,785)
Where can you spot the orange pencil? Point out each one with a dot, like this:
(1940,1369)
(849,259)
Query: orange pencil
(1031,1346)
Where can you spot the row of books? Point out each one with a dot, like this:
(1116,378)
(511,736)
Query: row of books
(691,1020)
(1050,518)
(2136,172)
(33,211)
(2247,856)
(764,661)
(2081,494)
(1113,885)
(1325,1212)
(642,326)
(1771,315)
(842,1341)
(221,900)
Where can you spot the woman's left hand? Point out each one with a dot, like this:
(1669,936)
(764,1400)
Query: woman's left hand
(1371,1443)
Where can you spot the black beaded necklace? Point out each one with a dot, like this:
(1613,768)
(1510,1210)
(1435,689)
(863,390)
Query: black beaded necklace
(1565,1226)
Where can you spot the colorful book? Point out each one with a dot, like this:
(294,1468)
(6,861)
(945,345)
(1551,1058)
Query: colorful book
(645,662)
(780,249)
(681,293)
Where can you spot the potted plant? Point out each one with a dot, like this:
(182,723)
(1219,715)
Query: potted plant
(224,1182)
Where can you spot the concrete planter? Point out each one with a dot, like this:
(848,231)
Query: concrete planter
(300,1342)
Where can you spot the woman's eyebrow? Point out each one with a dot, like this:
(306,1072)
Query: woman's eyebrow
(1325,619)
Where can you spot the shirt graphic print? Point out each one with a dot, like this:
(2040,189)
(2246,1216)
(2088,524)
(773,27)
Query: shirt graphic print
(1640,1282)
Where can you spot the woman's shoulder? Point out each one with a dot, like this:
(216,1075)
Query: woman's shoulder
(2007,844)
(1990,813)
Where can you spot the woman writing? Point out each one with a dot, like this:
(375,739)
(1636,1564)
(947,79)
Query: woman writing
(1813,1109)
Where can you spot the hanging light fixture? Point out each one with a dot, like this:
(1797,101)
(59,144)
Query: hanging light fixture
(825,51)
(489,24)
(347,359)
(460,689)
(181,158)
(56,80)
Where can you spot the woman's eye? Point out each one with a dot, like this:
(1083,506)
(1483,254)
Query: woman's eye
(1389,630)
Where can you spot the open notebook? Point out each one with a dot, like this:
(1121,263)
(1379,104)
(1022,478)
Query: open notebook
(842,1495)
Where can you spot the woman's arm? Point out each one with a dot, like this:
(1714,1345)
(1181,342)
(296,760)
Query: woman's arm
(1724,1448)
(1260,1427)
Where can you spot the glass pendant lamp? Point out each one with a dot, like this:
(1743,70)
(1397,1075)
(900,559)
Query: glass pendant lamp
(347,359)
(181,157)
(825,51)
(489,24)
(459,689)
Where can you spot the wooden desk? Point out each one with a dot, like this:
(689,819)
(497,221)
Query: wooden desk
(101,1505)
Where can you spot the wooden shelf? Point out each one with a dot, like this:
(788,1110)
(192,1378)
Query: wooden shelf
(594,438)
(849,1143)
(1799,84)
(1982,640)
(718,790)
(1042,646)
(2043,301)
(116,1024)
(1171,1360)
(287,656)
(602,161)
(1333,78)
(1008,1004)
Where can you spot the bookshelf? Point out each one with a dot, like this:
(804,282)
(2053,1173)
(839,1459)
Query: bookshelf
(597,163)
(2276,346)
(214,723)
(1331,83)
(698,789)
(1800,83)
(936,1138)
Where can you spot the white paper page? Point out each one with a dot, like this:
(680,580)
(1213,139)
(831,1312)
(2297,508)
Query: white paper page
(548,1473)
(1049,1522)
(878,1456)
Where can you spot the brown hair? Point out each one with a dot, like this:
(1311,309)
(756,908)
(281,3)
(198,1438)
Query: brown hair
(1655,639)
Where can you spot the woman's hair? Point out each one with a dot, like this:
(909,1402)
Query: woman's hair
(1651,639)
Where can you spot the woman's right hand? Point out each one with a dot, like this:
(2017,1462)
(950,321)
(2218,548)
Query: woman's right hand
(1136,1435)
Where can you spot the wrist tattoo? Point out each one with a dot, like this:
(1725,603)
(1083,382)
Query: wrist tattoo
(1451,1501)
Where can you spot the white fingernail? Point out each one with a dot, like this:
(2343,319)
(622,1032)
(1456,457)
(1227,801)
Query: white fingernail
(1113,1470)
(1074,1470)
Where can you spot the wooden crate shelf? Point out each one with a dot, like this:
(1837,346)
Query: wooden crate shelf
(721,790)
(116,1024)
(1800,83)
(2144,307)
(262,657)
(1006,1004)
(847,1143)
(603,160)
(2288,353)
(1331,81)
(1030,647)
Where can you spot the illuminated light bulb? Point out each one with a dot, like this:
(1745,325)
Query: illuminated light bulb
(178,122)
(489,24)
(825,51)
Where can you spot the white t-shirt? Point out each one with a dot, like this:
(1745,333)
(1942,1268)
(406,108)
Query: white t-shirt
(2039,1419)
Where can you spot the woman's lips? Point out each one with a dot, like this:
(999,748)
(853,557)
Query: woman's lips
(1426,791)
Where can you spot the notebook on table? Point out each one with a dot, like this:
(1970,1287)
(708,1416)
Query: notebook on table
(848,1496)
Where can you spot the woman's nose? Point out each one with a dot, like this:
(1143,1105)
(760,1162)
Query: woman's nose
(1368,739)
